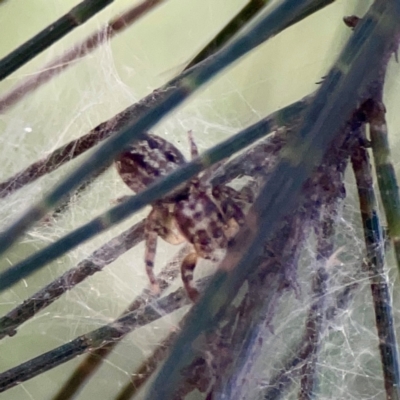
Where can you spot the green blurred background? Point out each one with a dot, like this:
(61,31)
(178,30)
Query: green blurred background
(121,72)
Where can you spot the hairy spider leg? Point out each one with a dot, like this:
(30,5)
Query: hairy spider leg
(233,202)
(158,223)
(194,151)
(187,268)
(201,221)
(208,218)
(205,217)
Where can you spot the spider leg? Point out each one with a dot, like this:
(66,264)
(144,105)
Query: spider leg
(151,235)
(169,231)
(247,193)
(121,199)
(187,268)
(194,151)
(164,224)
(158,223)
(172,237)
(150,253)
(230,203)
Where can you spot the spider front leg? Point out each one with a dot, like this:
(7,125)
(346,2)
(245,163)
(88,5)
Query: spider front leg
(158,223)
(150,254)
(194,151)
(203,225)
(187,268)
(233,202)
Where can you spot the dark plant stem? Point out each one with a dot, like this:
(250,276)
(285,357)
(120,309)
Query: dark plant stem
(74,18)
(282,118)
(241,19)
(387,181)
(378,279)
(146,369)
(94,339)
(53,68)
(269,24)
(135,203)
(72,196)
(95,263)
(373,41)
(95,359)
(279,384)
(315,320)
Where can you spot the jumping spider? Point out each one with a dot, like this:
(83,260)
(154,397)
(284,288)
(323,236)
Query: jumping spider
(205,216)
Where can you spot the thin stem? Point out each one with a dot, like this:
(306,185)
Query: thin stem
(148,196)
(245,15)
(284,117)
(85,185)
(100,258)
(95,359)
(315,320)
(268,24)
(278,385)
(62,63)
(387,181)
(76,147)
(250,163)
(94,339)
(314,331)
(145,370)
(241,19)
(378,278)
(44,39)
(258,307)
(71,150)
(303,360)
(347,84)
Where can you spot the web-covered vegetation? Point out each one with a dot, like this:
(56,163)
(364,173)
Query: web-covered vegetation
(301,304)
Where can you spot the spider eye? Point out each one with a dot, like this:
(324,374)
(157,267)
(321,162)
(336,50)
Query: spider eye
(153,144)
(170,157)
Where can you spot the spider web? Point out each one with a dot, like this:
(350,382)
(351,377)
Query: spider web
(104,83)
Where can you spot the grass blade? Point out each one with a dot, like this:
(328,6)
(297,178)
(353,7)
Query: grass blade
(266,25)
(63,62)
(378,279)
(155,191)
(362,61)
(44,39)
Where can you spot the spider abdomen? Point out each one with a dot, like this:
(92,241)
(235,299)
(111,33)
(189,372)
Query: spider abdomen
(201,222)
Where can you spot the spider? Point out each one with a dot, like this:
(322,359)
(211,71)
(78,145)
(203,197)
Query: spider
(207,217)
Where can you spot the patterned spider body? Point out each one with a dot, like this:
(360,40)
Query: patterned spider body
(205,217)
(201,222)
(147,160)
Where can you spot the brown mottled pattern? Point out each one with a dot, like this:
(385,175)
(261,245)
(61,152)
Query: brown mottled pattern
(147,160)
(195,211)
(202,223)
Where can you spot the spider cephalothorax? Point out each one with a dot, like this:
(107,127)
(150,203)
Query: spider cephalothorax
(204,216)
(147,160)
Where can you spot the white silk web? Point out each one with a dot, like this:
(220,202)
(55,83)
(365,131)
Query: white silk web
(102,84)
